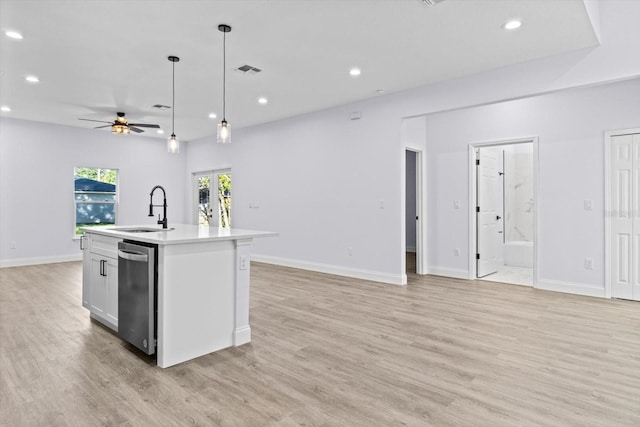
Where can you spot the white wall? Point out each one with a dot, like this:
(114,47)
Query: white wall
(330,187)
(36,184)
(570,126)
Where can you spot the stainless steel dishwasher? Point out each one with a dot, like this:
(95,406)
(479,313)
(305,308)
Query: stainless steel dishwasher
(137,278)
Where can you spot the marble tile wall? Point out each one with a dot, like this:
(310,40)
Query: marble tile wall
(518,193)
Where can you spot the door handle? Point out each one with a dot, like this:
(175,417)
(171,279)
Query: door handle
(498,217)
(133,256)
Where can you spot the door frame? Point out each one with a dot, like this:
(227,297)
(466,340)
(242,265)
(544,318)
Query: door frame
(421,209)
(607,204)
(473,201)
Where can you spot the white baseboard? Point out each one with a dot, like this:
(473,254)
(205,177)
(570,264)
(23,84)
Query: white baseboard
(571,288)
(448,272)
(242,336)
(18,262)
(375,276)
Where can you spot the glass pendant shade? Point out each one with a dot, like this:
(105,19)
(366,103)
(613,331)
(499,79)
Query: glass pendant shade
(173,144)
(224,132)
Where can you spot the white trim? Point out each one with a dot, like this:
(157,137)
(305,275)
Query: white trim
(18,262)
(607,203)
(471,275)
(376,276)
(571,288)
(455,273)
(241,336)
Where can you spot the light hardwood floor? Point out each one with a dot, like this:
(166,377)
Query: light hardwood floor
(330,351)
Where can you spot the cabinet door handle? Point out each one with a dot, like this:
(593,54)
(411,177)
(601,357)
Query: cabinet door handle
(102,273)
(82,242)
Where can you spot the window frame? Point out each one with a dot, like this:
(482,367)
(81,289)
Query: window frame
(76,203)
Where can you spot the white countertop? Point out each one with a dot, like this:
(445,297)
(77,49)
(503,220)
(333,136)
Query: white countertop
(178,233)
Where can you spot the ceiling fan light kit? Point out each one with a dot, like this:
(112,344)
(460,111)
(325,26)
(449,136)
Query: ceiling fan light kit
(224,130)
(173,143)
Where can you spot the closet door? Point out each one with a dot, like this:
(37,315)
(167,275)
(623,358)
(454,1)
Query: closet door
(624,178)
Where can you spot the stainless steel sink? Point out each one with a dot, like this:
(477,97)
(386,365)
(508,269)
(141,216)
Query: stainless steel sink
(140,229)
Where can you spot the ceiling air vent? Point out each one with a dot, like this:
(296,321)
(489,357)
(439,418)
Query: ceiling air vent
(162,107)
(248,69)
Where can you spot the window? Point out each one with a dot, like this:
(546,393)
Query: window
(95,197)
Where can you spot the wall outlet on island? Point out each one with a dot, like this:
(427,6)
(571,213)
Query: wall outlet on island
(244,262)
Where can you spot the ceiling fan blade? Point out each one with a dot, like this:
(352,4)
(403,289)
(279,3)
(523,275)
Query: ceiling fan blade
(90,120)
(142,125)
(100,127)
(135,129)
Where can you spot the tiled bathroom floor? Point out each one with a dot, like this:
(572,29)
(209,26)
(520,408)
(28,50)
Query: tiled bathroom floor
(514,275)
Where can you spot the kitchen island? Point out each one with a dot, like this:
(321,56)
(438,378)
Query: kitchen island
(202,285)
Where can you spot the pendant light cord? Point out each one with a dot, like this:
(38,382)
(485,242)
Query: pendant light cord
(224,75)
(173,101)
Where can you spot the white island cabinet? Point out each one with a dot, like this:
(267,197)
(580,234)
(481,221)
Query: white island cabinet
(202,290)
(100,278)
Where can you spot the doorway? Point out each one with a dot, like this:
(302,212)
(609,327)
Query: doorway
(622,224)
(415,220)
(212,198)
(503,190)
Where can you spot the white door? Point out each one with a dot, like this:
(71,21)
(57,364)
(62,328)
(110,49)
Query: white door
(624,178)
(487,215)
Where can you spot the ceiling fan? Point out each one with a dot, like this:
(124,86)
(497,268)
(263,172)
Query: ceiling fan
(121,126)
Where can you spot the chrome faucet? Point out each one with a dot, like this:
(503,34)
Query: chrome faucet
(162,221)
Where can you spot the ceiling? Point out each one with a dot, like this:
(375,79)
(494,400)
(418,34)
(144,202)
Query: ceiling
(94,58)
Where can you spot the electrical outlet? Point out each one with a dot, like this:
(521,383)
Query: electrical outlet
(588,263)
(12,244)
(456,252)
(350,251)
(244,262)
(456,204)
(381,204)
(588,205)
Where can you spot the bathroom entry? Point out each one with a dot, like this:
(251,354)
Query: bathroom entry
(505,212)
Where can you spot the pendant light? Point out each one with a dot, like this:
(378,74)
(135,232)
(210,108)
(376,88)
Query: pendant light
(224,130)
(173,143)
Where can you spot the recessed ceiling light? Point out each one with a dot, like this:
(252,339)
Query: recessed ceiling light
(512,25)
(160,131)
(32,79)
(262,100)
(213,115)
(14,35)
(5,109)
(354,71)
